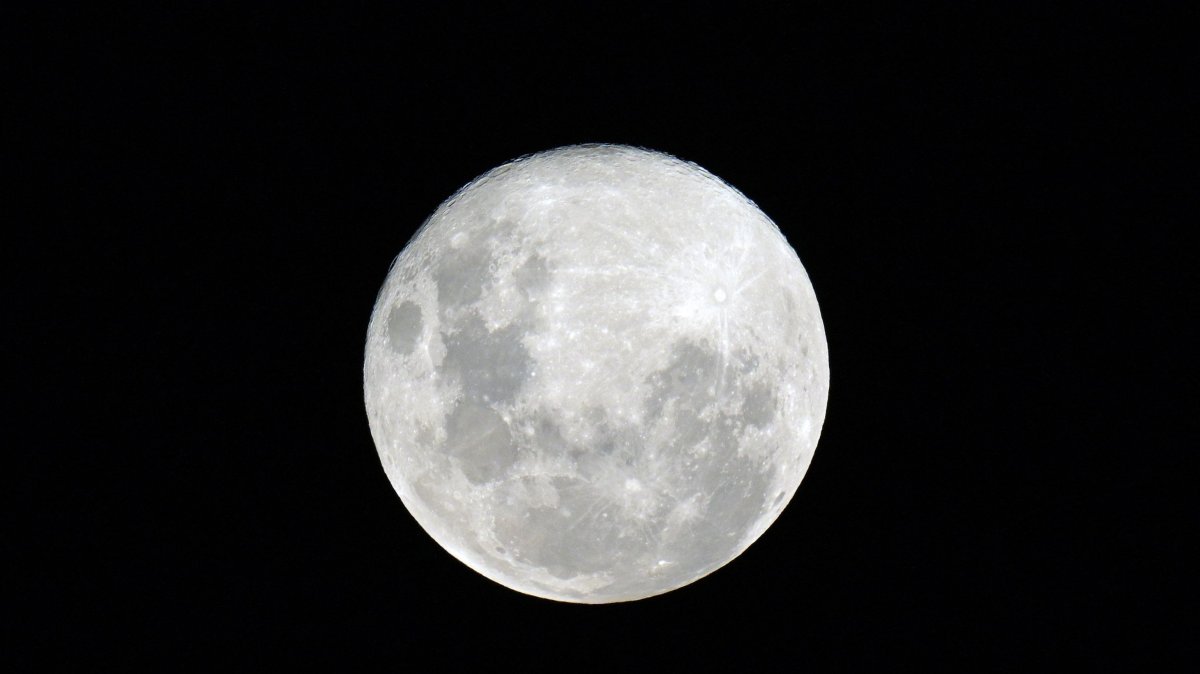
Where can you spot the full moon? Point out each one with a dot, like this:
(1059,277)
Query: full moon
(596,374)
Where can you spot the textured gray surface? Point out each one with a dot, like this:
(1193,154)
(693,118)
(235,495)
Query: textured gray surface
(596,374)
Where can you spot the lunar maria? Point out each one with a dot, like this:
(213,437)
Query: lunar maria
(596,374)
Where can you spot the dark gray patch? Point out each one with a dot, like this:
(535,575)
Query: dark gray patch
(690,379)
(625,445)
(490,366)
(481,442)
(425,437)
(595,415)
(548,438)
(734,489)
(609,444)
(790,317)
(533,278)
(404,327)
(608,448)
(461,275)
(690,431)
(758,409)
(724,440)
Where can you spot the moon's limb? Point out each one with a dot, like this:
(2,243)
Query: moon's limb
(596,374)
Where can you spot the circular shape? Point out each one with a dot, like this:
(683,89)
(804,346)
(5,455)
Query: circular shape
(596,374)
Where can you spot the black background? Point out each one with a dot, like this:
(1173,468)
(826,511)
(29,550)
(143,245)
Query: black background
(991,205)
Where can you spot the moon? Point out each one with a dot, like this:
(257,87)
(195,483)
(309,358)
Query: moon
(596,374)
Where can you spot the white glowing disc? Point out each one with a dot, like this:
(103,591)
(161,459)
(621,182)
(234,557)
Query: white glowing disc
(596,374)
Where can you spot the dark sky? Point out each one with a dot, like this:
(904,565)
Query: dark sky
(990,203)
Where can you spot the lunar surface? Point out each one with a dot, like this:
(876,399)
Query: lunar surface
(596,374)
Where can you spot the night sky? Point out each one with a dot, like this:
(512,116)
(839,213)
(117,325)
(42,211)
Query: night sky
(990,204)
